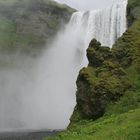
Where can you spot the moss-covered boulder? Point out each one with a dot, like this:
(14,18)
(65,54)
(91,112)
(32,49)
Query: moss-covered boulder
(102,82)
(97,54)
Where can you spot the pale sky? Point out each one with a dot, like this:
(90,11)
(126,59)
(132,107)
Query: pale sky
(88,4)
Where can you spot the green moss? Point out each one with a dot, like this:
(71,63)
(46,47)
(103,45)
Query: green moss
(133,11)
(104,81)
(129,101)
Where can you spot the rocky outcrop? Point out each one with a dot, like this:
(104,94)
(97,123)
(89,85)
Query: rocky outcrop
(104,81)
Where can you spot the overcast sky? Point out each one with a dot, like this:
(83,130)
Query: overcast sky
(88,4)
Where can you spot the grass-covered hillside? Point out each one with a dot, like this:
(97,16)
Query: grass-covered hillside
(116,127)
(28,24)
(108,90)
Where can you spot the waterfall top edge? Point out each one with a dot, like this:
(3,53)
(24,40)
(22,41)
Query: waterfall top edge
(105,25)
(125,2)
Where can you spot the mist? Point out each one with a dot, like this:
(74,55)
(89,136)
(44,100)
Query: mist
(38,93)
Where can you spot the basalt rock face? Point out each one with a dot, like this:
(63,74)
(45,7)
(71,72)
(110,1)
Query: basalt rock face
(28,24)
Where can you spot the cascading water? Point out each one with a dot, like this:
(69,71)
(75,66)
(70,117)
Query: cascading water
(40,94)
(106,25)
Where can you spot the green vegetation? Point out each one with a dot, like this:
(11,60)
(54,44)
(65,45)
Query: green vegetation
(11,41)
(104,81)
(28,24)
(108,90)
(116,127)
(133,11)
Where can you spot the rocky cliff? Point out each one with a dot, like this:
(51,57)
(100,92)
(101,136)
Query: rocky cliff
(28,24)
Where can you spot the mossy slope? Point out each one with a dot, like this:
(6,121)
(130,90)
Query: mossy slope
(121,127)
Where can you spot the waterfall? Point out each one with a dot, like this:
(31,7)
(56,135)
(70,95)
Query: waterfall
(106,25)
(40,93)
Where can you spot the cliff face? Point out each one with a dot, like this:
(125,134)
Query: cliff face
(28,24)
(110,74)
